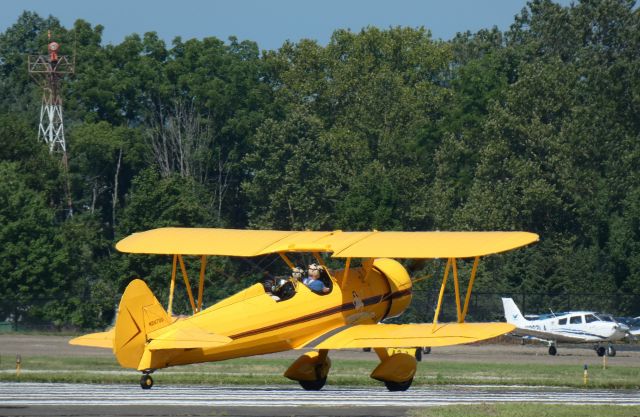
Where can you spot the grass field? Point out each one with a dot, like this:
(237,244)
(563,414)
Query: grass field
(259,371)
(527,410)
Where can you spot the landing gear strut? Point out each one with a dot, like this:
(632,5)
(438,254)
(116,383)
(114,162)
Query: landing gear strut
(146,382)
(310,370)
(396,371)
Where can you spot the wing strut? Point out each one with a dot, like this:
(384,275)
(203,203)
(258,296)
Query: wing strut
(345,273)
(173,283)
(203,268)
(286,259)
(470,288)
(187,284)
(442,287)
(452,263)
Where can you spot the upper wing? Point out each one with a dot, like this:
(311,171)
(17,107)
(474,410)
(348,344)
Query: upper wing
(234,242)
(409,335)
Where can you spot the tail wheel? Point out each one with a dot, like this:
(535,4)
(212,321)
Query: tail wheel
(146,382)
(611,351)
(601,351)
(553,351)
(315,385)
(398,386)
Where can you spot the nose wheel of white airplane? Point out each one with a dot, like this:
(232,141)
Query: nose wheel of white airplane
(601,350)
(552,350)
(146,382)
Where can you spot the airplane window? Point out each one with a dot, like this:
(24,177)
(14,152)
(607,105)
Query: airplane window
(606,317)
(562,321)
(575,320)
(590,318)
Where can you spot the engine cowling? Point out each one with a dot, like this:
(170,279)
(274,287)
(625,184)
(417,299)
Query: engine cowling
(399,285)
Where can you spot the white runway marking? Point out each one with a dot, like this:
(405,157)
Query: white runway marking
(32,394)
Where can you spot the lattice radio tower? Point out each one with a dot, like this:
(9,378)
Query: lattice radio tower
(48,71)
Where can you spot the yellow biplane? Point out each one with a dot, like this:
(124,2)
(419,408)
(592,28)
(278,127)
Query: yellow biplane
(147,337)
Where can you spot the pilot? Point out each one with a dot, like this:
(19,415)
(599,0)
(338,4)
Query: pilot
(269,282)
(313,280)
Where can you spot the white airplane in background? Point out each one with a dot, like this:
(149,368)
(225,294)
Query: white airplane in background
(571,327)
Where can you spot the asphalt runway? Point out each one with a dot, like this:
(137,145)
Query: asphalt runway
(29,399)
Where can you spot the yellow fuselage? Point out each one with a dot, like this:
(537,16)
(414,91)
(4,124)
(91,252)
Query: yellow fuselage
(258,324)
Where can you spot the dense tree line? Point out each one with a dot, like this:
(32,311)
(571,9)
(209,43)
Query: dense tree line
(535,128)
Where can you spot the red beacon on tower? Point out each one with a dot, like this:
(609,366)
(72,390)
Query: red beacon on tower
(53,51)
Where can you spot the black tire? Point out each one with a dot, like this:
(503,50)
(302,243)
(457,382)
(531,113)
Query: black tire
(601,351)
(426,350)
(313,385)
(553,351)
(146,382)
(418,354)
(611,351)
(398,386)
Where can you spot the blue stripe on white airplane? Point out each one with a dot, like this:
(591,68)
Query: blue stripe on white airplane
(571,327)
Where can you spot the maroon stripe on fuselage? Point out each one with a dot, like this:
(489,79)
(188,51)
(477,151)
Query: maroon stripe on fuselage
(327,312)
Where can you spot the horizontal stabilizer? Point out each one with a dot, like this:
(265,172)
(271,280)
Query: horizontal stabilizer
(99,340)
(186,337)
(411,335)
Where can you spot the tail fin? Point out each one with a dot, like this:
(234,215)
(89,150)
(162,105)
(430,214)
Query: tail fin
(512,312)
(139,314)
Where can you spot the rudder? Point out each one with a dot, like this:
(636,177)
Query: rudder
(512,312)
(139,313)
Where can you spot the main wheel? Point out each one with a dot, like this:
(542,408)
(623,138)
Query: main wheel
(146,382)
(553,351)
(611,351)
(313,385)
(426,350)
(601,351)
(398,386)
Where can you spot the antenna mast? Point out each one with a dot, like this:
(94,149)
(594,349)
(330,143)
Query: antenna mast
(48,71)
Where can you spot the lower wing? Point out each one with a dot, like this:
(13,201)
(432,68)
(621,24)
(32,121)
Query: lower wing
(408,335)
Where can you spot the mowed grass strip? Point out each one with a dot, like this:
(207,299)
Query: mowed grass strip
(260,371)
(527,410)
